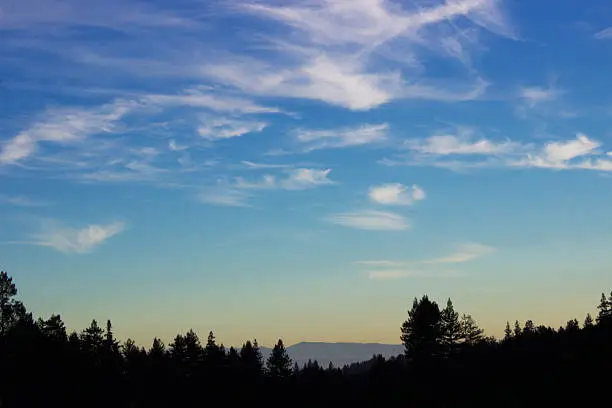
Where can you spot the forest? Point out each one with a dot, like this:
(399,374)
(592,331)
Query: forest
(448,362)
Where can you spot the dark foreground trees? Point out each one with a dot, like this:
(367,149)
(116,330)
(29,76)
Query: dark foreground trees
(448,363)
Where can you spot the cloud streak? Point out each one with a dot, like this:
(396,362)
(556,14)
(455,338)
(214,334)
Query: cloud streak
(295,179)
(370,220)
(396,194)
(605,34)
(342,137)
(333,51)
(392,269)
(456,152)
(223,128)
(64,126)
(77,240)
(21,201)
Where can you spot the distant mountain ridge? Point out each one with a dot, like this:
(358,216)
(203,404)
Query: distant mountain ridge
(338,354)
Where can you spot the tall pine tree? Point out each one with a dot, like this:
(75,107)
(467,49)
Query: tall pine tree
(421,333)
(279,363)
(450,328)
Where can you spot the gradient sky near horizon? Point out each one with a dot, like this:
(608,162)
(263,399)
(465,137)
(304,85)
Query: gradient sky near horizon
(303,169)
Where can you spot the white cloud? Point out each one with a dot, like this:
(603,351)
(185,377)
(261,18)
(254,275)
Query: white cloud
(21,201)
(396,194)
(535,95)
(370,220)
(300,179)
(222,128)
(296,179)
(72,240)
(343,137)
(268,181)
(464,253)
(64,126)
(175,147)
(580,153)
(224,196)
(199,98)
(261,166)
(605,34)
(564,151)
(390,269)
(462,143)
(334,49)
(559,155)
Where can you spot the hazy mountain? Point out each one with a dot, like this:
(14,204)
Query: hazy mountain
(338,353)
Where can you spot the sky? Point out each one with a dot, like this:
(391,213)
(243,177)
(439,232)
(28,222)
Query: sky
(303,169)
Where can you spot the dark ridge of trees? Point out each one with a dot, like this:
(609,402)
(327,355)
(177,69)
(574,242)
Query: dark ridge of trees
(448,362)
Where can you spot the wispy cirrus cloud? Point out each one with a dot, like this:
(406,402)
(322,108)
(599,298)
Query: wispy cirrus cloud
(225,196)
(264,166)
(74,240)
(370,220)
(343,137)
(22,201)
(562,155)
(534,95)
(224,128)
(456,152)
(105,143)
(206,98)
(64,126)
(395,269)
(333,51)
(464,142)
(396,194)
(238,192)
(465,253)
(295,179)
(605,34)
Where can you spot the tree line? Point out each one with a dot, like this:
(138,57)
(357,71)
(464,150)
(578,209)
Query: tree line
(448,361)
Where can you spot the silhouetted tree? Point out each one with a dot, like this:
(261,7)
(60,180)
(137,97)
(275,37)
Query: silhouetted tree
(251,359)
(605,309)
(517,329)
(421,331)
(74,341)
(588,321)
(193,351)
(130,350)
(450,328)
(157,350)
(178,348)
(279,363)
(11,310)
(39,368)
(111,345)
(507,332)
(213,353)
(572,326)
(233,359)
(53,328)
(92,338)
(529,328)
(470,332)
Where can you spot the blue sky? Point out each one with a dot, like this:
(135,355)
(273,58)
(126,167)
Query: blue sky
(304,169)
